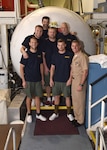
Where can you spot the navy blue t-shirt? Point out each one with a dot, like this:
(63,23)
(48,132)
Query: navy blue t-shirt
(32,66)
(45,34)
(49,49)
(68,39)
(27,40)
(62,63)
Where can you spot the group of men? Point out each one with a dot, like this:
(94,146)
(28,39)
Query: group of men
(54,59)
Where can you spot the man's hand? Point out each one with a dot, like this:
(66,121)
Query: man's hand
(46,70)
(25,55)
(24,84)
(68,82)
(51,83)
(80,88)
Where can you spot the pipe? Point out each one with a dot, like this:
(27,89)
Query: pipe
(4,46)
(27,4)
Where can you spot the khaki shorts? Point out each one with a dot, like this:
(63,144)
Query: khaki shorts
(47,79)
(33,89)
(61,88)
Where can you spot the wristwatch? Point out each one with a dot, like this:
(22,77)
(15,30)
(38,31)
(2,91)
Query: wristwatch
(81,85)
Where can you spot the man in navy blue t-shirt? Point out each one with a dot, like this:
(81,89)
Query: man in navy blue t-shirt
(50,47)
(60,78)
(66,35)
(38,34)
(45,24)
(31,71)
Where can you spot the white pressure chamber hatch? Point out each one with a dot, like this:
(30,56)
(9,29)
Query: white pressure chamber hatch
(27,25)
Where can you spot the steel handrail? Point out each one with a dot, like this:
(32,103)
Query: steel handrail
(11,131)
(99,131)
(102,100)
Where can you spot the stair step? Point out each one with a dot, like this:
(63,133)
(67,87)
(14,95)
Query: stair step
(50,107)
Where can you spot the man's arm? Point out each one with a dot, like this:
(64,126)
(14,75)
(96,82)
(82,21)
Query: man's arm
(22,50)
(25,45)
(22,75)
(70,78)
(52,70)
(45,65)
(42,73)
(84,76)
(83,79)
(85,66)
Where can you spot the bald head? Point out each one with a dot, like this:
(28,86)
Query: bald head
(65,28)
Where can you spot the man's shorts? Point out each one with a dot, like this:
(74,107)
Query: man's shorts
(61,88)
(47,79)
(33,89)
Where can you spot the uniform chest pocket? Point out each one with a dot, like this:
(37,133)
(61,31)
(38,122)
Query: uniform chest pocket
(77,64)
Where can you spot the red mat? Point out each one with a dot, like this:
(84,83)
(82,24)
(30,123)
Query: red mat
(59,126)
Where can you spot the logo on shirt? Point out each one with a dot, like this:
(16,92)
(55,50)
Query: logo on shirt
(39,56)
(68,39)
(67,56)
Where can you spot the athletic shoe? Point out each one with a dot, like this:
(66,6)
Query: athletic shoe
(48,98)
(40,117)
(41,104)
(48,102)
(29,119)
(53,103)
(70,117)
(53,116)
(53,100)
(33,103)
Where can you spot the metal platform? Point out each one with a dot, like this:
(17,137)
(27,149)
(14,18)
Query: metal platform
(54,142)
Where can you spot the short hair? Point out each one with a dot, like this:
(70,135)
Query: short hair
(45,17)
(77,41)
(66,24)
(33,37)
(39,26)
(52,28)
(61,40)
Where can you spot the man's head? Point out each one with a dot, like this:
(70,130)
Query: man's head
(45,22)
(33,43)
(52,32)
(38,31)
(61,45)
(64,28)
(76,46)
